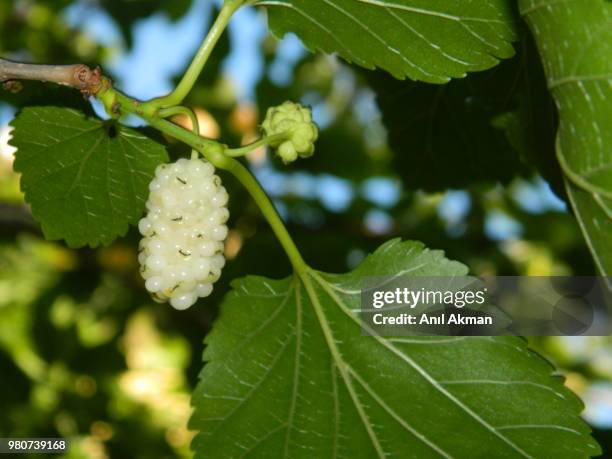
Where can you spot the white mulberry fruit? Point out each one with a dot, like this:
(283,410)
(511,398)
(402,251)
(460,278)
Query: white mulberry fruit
(181,253)
(296,121)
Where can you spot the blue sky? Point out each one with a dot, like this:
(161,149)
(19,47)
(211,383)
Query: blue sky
(163,48)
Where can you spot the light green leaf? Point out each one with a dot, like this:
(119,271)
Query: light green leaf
(575,42)
(594,214)
(289,374)
(85,179)
(422,40)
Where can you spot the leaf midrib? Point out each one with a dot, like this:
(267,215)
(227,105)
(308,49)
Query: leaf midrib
(343,367)
(296,367)
(337,358)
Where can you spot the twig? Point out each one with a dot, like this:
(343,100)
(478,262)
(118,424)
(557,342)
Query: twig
(80,76)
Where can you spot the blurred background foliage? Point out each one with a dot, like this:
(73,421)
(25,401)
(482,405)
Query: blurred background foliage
(468,168)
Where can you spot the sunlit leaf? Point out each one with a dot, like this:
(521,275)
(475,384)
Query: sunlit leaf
(418,39)
(575,42)
(289,374)
(86,180)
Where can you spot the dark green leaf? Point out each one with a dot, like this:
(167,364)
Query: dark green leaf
(531,126)
(407,38)
(575,42)
(444,136)
(85,179)
(289,374)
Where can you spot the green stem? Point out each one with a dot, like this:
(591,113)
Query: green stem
(270,213)
(199,61)
(180,110)
(270,140)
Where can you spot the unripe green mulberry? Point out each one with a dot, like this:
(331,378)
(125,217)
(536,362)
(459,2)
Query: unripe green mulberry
(295,121)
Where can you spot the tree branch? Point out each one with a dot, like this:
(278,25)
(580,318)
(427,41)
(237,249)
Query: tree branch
(92,82)
(80,76)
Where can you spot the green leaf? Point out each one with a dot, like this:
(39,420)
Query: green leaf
(443,136)
(407,38)
(85,179)
(531,126)
(289,374)
(594,214)
(575,43)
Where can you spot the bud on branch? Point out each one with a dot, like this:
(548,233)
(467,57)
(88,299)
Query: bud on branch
(89,81)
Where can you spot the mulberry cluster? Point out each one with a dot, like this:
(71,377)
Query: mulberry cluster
(181,253)
(296,121)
